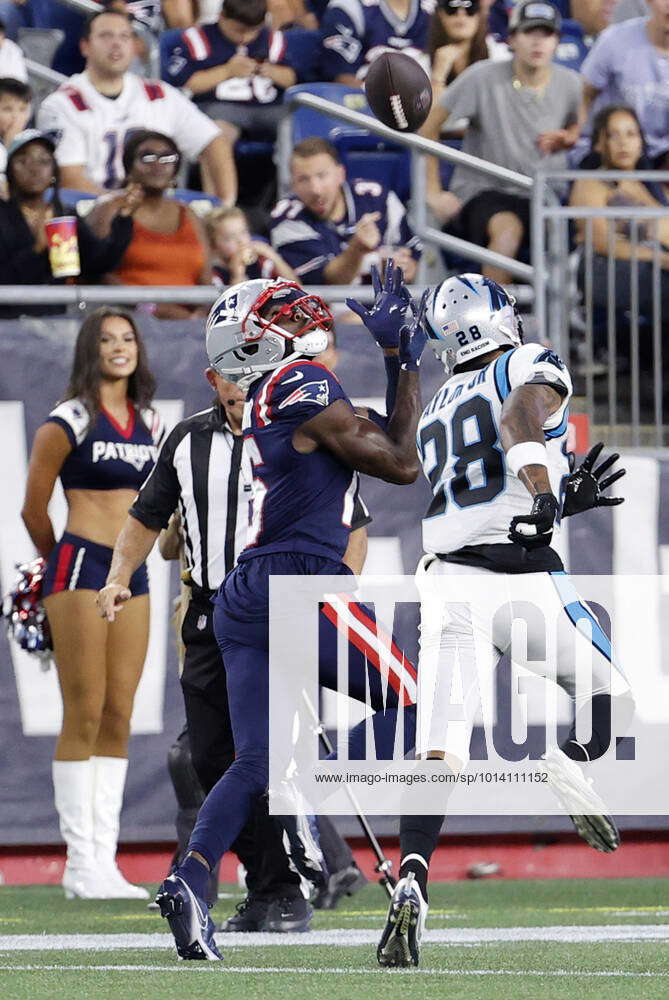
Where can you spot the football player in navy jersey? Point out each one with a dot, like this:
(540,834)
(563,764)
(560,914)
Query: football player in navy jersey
(307,445)
(356,32)
(334,230)
(102,441)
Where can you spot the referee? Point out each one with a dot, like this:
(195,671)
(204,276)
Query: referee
(203,472)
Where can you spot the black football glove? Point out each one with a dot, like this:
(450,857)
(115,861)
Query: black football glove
(584,486)
(534,530)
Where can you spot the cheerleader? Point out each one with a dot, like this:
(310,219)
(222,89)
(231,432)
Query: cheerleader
(101,440)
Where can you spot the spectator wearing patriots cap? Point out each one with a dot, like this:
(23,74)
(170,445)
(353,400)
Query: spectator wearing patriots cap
(521,114)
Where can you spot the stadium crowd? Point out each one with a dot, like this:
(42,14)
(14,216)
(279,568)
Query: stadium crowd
(518,85)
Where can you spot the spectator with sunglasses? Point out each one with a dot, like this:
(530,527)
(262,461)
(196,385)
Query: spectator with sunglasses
(458,37)
(169,245)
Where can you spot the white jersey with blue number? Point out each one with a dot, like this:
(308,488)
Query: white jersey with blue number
(474,493)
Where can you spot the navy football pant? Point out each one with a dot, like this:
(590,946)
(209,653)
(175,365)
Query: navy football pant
(241,627)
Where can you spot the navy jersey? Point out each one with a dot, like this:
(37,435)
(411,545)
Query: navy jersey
(106,456)
(307,243)
(205,46)
(356,32)
(301,503)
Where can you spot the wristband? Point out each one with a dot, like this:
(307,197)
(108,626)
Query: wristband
(526,453)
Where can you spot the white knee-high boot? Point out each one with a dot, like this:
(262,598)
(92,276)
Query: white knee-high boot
(108,785)
(73,794)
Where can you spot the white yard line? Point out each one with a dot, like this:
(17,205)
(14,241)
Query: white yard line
(341,938)
(218,969)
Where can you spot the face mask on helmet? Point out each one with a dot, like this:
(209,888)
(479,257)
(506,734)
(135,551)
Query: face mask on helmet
(293,305)
(469,316)
(247,328)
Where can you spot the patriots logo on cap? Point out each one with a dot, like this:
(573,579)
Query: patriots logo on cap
(310,392)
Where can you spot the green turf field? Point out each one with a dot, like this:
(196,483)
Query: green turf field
(497,940)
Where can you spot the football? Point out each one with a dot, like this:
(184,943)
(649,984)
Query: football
(398,91)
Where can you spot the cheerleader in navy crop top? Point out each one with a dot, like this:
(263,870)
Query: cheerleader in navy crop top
(102,443)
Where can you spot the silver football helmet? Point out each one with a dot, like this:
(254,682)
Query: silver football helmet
(469,315)
(243,340)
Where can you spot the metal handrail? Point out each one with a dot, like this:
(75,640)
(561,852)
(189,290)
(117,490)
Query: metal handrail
(187,294)
(419,147)
(45,73)
(410,140)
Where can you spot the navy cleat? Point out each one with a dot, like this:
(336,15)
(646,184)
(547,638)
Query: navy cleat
(189,920)
(400,941)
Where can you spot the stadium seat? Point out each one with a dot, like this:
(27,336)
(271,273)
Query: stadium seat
(200,202)
(40,44)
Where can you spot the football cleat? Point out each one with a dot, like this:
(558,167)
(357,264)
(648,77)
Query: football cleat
(189,920)
(345,882)
(249,916)
(400,941)
(288,916)
(586,810)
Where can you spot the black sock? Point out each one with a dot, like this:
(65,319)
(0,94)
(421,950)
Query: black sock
(418,839)
(599,711)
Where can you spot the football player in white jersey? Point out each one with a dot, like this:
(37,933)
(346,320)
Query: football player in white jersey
(93,113)
(493,446)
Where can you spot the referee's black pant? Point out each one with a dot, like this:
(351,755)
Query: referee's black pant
(259,846)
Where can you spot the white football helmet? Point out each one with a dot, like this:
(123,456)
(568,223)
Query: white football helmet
(469,315)
(242,342)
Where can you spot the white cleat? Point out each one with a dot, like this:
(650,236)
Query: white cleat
(586,810)
(83,883)
(407,912)
(118,887)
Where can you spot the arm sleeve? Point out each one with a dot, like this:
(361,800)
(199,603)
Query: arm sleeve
(343,29)
(176,63)
(460,98)
(99,256)
(194,128)
(159,496)
(398,231)
(532,364)
(302,248)
(599,62)
(73,417)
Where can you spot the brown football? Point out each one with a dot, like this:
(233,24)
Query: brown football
(398,91)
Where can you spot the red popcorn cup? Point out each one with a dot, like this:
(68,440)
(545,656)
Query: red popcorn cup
(61,234)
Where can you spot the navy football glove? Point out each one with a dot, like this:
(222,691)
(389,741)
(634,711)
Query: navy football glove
(534,530)
(386,316)
(584,486)
(413,337)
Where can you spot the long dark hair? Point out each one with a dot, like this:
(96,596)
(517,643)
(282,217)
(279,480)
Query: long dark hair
(602,119)
(438,36)
(84,380)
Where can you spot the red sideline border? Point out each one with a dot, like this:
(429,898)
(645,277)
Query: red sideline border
(644,854)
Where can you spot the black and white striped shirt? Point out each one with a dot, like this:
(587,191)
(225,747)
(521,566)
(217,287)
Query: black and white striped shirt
(203,471)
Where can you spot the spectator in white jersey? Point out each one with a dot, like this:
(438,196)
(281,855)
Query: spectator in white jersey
(94,112)
(521,114)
